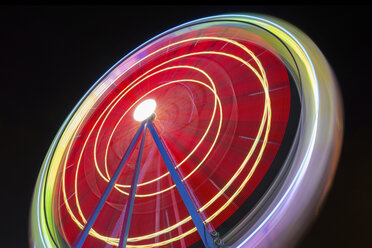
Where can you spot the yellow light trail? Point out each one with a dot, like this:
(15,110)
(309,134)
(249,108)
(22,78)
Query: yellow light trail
(266,116)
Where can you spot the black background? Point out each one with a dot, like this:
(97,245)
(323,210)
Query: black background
(51,55)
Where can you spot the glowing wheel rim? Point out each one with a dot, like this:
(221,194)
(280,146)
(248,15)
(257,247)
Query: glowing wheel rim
(304,174)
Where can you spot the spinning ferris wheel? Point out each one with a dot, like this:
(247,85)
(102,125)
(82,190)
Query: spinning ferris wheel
(221,132)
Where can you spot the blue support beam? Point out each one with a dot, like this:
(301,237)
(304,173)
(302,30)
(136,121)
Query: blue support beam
(92,218)
(132,194)
(203,232)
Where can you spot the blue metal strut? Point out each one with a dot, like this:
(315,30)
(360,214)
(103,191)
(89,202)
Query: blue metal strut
(132,194)
(203,232)
(92,218)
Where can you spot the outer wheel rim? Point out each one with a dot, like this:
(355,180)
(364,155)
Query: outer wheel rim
(319,120)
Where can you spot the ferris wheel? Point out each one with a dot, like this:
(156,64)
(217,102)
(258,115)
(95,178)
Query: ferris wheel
(221,132)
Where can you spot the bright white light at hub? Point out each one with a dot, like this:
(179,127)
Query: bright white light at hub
(144,110)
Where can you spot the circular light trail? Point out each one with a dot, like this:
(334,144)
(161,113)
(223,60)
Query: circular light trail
(148,75)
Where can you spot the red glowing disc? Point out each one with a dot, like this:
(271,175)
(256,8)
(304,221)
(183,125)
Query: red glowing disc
(223,101)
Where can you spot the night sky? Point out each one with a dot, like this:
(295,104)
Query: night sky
(50,56)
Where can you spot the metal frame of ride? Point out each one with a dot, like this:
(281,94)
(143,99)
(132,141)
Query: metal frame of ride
(209,239)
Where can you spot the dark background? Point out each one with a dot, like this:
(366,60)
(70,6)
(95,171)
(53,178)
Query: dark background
(51,55)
